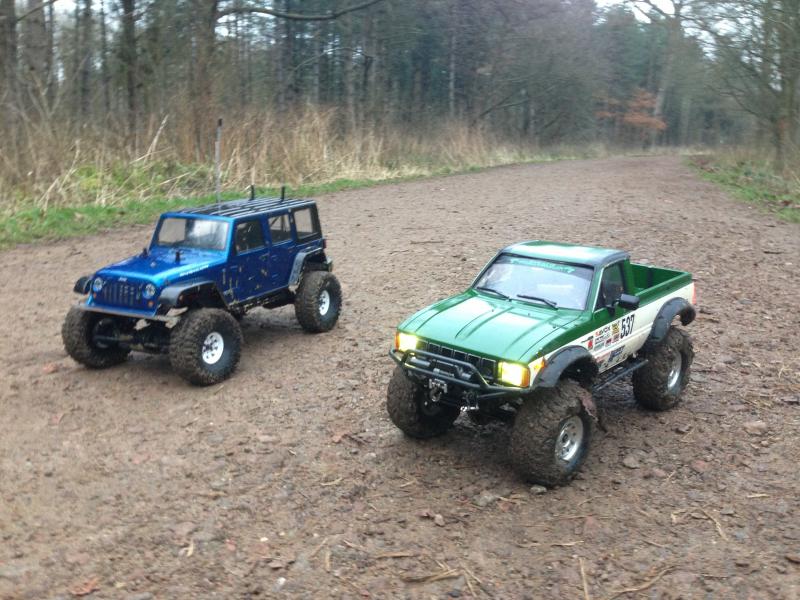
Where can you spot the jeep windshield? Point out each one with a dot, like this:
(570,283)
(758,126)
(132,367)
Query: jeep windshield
(190,232)
(537,281)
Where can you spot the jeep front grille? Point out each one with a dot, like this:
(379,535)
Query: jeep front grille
(486,366)
(117,293)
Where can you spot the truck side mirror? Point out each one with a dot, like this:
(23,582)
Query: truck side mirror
(629,301)
(612,292)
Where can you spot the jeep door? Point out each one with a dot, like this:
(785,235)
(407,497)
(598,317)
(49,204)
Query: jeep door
(249,260)
(282,249)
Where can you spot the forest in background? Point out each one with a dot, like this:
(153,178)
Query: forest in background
(110,101)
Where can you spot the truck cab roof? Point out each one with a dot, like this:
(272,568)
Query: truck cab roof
(590,256)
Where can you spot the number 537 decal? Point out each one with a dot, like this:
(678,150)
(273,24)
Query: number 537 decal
(626,326)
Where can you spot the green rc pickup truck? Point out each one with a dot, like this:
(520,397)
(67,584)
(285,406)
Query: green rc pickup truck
(543,326)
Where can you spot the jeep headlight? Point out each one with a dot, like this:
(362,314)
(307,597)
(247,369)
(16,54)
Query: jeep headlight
(405,341)
(97,284)
(149,291)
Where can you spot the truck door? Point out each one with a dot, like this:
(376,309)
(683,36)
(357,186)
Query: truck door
(613,323)
(250,260)
(282,250)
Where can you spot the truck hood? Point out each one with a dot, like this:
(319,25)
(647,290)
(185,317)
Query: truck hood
(478,324)
(160,268)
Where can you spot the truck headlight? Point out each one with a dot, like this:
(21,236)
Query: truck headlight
(514,374)
(149,291)
(405,341)
(97,284)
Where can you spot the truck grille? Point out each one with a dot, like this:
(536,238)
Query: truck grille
(486,366)
(118,293)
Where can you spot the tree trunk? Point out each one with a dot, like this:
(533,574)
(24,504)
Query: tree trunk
(35,52)
(104,60)
(8,47)
(86,58)
(129,59)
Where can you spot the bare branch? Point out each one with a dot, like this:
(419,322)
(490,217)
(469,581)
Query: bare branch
(295,16)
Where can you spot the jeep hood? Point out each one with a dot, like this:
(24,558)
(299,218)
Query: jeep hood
(478,324)
(160,268)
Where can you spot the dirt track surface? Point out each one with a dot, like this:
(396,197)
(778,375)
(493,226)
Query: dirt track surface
(288,480)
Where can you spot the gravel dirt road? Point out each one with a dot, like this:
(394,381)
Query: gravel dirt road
(288,480)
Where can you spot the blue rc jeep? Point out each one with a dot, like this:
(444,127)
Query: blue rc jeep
(204,269)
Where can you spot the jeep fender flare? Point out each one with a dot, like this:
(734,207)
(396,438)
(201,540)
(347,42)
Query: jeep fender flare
(671,309)
(176,296)
(316,255)
(575,361)
(83,285)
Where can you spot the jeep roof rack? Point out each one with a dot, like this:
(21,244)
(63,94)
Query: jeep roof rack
(246,207)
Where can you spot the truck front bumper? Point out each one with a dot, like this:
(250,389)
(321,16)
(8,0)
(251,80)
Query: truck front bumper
(124,312)
(460,375)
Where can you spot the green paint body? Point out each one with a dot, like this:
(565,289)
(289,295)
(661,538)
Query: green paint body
(518,331)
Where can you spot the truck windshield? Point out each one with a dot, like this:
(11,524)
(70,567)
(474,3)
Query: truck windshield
(184,232)
(537,281)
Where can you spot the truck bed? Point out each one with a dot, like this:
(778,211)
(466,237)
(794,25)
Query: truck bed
(651,282)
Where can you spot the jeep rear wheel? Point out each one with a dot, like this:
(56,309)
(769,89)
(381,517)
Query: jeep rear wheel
(412,411)
(318,301)
(659,384)
(551,434)
(79,333)
(205,346)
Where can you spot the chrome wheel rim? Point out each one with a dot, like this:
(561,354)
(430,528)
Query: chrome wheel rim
(324,302)
(675,371)
(570,439)
(213,347)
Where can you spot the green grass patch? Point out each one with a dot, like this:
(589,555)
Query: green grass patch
(754,183)
(28,225)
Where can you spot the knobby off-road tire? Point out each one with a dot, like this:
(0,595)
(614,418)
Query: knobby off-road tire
(659,384)
(410,409)
(205,346)
(551,434)
(77,332)
(318,301)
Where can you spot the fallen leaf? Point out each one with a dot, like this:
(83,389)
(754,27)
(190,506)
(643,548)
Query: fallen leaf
(51,368)
(88,587)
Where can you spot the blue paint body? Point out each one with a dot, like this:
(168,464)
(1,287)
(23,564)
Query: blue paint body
(229,276)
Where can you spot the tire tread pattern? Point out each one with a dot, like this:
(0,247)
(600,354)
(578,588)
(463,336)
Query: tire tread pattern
(76,335)
(306,303)
(536,427)
(186,342)
(650,382)
(403,398)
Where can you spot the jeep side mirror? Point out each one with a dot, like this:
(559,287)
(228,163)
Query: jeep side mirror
(629,301)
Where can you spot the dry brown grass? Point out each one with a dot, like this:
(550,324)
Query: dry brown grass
(47,162)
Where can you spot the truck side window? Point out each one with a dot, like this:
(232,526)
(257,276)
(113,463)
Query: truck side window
(306,223)
(249,236)
(280,229)
(612,284)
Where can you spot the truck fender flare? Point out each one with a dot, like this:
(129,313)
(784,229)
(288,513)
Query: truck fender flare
(300,262)
(671,309)
(576,361)
(174,296)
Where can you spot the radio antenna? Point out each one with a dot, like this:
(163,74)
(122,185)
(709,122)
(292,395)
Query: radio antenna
(217,146)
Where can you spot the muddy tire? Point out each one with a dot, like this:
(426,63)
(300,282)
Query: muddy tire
(551,434)
(77,333)
(205,346)
(659,384)
(318,301)
(412,412)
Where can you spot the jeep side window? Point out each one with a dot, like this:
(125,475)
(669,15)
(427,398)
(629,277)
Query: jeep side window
(612,284)
(249,236)
(280,229)
(306,223)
